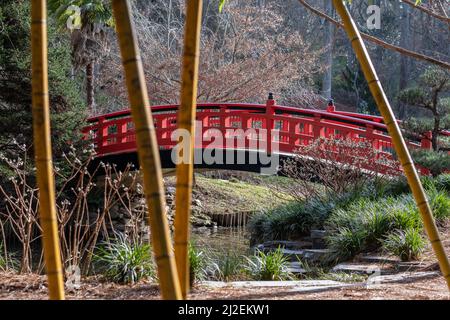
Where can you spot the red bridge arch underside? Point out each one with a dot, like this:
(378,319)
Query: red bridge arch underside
(113,134)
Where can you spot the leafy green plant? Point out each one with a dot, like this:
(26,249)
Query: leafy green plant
(8,261)
(436,161)
(440,204)
(442,182)
(269,266)
(3,262)
(197,263)
(125,262)
(407,245)
(345,243)
(225,267)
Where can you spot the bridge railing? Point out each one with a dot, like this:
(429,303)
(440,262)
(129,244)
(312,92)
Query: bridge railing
(243,126)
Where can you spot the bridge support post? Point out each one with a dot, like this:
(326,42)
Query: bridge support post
(43,150)
(397,138)
(425,143)
(186,121)
(148,151)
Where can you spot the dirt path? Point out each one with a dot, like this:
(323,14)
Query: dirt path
(14,286)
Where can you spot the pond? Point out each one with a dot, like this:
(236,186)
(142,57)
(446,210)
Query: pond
(222,240)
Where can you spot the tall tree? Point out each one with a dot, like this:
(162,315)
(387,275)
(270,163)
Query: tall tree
(67,111)
(430,95)
(328,57)
(88,22)
(405,41)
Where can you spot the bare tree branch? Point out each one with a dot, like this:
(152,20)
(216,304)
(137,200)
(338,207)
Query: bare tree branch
(380,42)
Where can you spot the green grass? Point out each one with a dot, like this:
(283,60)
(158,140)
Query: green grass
(225,267)
(295,219)
(281,223)
(407,245)
(197,263)
(442,182)
(269,266)
(228,196)
(125,262)
(440,204)
(3,262)
(365,224)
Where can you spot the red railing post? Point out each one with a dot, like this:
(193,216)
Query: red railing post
(317,127)
(331,107)
(270,111)
(425,142)
(102,132)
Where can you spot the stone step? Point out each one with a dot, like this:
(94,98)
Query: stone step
(363,268)
(295,245)
(410,266)
(379,259)
(296,267)
(311,255)
(318,239)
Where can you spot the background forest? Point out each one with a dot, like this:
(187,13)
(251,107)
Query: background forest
(248,49)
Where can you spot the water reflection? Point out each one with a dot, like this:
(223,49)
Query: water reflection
(222,240)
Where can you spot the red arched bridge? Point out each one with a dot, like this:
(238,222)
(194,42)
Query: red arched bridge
(223,129)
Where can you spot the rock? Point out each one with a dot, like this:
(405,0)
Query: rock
(316,255)
(197,202)
(202,220)
(363,268)
(378,259)
(318,239)
(312,255)
(171,190)
(410,266)
(296,268)
(292,286)
(404,277)
(318,234)
(286,244)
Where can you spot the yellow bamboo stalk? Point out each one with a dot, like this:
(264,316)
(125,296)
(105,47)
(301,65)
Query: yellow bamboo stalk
(43,150)
(148,151)
(397,138)
(186,121)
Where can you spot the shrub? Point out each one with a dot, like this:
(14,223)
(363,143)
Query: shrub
(404,214)
(345,243)
(296,219)
(3,263)
(407,245)
(225,267)
(196,263)
(281,222)
(271,266)
(437,162)
(364,224)
(125,262)
(440,204)
(442,182)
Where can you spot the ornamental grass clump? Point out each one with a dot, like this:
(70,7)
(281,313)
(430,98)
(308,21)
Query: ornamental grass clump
(269,266)
(225,267)
(124,261)
(407,245)
(197,263)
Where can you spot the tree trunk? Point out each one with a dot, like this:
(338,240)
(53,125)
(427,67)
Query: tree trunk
(404,60)
(328,57)
(90,88)
(434,138)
